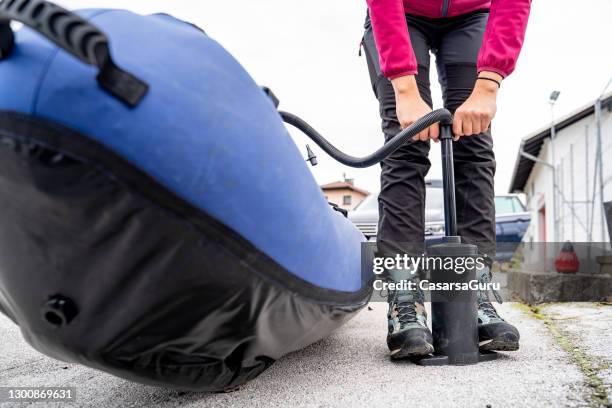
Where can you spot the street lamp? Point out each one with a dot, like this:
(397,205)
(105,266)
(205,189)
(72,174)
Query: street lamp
(554,95)
(552,100)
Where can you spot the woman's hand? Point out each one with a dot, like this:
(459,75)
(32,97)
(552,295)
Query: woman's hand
(410,106)
(475,114)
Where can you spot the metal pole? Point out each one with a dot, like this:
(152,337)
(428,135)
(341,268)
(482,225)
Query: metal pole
(600,161)
(573,199)
(563,204)
(554,170)
(594,191)
(448,180)
(586,184)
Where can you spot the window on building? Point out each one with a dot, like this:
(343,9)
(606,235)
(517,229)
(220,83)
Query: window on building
(346,200)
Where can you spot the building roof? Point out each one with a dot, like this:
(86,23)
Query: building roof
(532,143)
(343,185)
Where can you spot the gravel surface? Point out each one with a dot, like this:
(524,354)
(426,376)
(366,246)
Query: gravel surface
(349,368)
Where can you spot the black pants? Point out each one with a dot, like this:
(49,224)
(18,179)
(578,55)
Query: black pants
(455,42)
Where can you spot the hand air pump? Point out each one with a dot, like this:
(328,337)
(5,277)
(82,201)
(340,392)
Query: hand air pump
(454,313)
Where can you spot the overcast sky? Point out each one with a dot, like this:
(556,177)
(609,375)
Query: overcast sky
(306,51)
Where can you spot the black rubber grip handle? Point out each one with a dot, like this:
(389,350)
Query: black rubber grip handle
(74,35)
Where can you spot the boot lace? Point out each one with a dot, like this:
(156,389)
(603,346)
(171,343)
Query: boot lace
(484,303)
(406,309)
(406,312)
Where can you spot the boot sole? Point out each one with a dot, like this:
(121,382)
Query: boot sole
(417,351)
(500,345)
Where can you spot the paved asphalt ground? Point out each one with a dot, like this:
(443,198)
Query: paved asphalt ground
(564,360)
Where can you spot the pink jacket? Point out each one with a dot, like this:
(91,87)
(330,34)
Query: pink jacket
(500,47)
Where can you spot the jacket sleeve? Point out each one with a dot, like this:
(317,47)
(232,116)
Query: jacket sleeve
(395,53)
(504,35)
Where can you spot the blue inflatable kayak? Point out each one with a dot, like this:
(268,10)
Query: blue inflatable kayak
(157,221)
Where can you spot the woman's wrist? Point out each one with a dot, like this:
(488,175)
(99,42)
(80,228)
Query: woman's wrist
(491,75)
(486,85)
(405,86)
(488,81)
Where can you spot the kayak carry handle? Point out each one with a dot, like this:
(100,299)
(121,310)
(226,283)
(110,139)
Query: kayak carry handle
(74,35)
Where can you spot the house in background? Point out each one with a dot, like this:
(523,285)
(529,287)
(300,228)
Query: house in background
(579,215)
(344,193)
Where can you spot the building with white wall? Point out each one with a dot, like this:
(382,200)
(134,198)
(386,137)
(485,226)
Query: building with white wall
(579,215)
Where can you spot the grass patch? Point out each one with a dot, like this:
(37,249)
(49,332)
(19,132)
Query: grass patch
(588,366)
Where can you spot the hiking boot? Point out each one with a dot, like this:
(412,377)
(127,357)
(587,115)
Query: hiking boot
(494,333)
(407,319)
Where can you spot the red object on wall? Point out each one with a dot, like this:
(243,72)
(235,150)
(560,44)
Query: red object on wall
(567,260)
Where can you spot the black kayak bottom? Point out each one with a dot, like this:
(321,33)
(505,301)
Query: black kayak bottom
(102,266)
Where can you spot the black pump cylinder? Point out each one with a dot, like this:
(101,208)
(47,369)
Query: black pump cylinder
(454,312)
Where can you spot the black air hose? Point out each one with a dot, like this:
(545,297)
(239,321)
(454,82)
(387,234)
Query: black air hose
(440,115)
